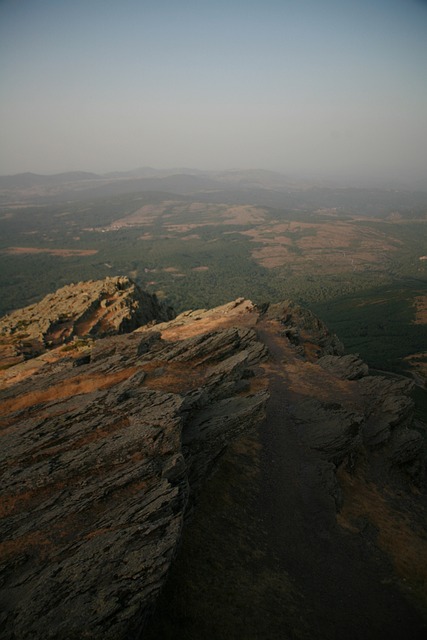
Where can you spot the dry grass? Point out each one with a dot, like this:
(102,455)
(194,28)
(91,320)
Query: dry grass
(204,215)
(307,380)
(398,536)
(242,315)
(27,499)
(63,253)
(244,214)
(303,379)
(67,389)
(23,370)
(176,377)
(332,247)
(418,364)
(271,257)
(142,216)
(183,228)
(420,310)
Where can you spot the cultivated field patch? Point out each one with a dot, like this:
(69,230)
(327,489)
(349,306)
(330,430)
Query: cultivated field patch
(63,253)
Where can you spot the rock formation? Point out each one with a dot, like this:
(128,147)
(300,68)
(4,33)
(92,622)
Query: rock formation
(106,446)
(98,456)
(94,308)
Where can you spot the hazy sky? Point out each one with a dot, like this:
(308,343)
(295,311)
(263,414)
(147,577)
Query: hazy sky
(331,87)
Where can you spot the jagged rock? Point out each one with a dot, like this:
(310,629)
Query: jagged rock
(328,479)
(105,450)
(94,308)
(303,328)
(348,367)
(329,428)
(389,411)
(388,406)
(100,455)
(214,347)
(406,446)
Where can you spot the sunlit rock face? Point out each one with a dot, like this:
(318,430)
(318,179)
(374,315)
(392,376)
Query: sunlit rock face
(102,448)
(94,308)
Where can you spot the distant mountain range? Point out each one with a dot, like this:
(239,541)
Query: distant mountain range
(27,180)
(176,177)
(257,186)
(180,181)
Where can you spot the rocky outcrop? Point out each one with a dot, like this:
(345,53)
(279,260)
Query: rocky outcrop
(388,426)
(330,428)
(388,416)
(106,446)
(304,330)
(348,367)
(87,309)
(100,455)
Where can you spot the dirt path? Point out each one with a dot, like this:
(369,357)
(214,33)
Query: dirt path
(262,556)
(346,581)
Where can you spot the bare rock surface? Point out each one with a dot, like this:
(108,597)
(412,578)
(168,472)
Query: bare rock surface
(348,367)
(98,455)
(93,308)
(106,449)
(304,330)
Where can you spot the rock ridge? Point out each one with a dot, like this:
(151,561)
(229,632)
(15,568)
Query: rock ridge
(99,462)
(106,447)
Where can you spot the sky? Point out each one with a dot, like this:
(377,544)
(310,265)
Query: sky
(327,88)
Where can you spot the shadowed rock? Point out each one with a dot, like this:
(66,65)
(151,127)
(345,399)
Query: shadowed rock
(348,367)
